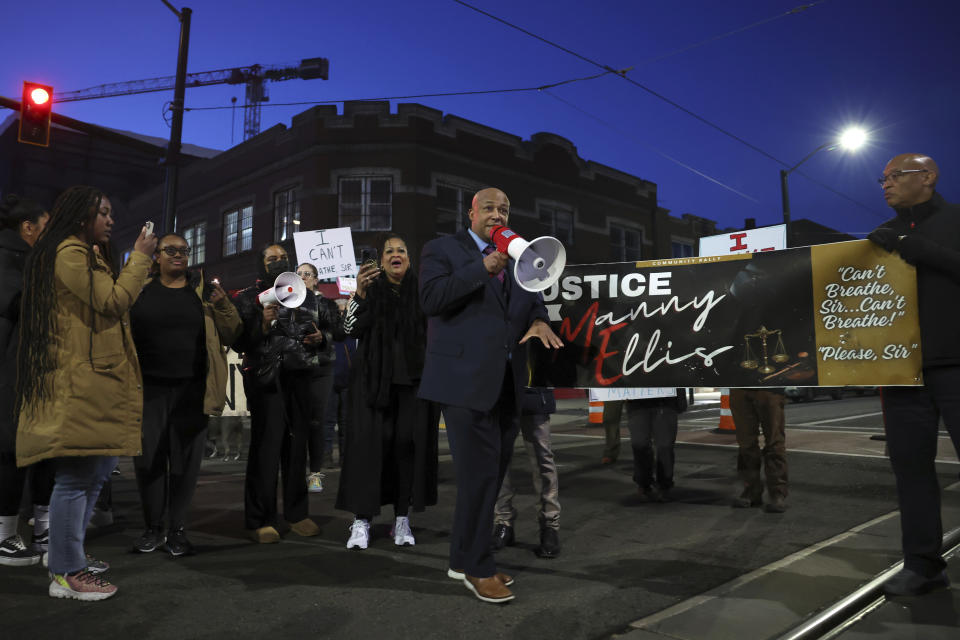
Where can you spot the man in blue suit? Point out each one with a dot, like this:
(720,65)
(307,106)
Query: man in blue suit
(479,321)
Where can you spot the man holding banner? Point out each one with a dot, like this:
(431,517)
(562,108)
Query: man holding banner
(926,233)
(479,321)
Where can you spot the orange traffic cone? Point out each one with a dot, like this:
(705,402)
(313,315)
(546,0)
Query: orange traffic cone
(596,412)
(726,416)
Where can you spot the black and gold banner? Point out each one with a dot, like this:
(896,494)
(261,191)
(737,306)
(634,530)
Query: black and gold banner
(828,315)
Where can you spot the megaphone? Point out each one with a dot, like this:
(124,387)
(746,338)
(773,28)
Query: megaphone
(537,264)
(288,290)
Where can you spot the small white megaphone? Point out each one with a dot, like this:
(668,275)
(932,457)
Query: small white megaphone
(537,264)
(288,289)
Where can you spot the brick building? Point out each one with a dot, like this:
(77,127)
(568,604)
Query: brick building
(124,166)
(412,172)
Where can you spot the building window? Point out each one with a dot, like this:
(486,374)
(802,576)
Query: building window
(559,221)
(238,230)
(452,204)
(196,237)
(625,244)
(681,250)
(286,214)
(366,203)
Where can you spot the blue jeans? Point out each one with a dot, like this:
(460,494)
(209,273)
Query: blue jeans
(77,485)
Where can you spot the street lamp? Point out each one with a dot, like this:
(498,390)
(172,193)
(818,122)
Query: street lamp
(850,139)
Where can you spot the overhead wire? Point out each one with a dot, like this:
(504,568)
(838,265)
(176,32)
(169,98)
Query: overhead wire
(623,74)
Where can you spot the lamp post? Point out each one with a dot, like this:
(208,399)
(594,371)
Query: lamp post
(851,140)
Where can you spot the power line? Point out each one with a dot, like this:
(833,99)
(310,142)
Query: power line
(443,94)
(640,85)
(623,74)
(652,148)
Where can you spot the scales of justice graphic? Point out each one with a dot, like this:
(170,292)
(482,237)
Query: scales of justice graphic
(750,360)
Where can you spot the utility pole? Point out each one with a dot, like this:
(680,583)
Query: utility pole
(171,165)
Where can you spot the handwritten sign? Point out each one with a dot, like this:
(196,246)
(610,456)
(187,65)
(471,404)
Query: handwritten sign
(329,250)
(830,315)
(631,393)
(346,285)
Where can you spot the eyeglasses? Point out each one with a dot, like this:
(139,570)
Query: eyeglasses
(896,175)
(174,251)
(306,274)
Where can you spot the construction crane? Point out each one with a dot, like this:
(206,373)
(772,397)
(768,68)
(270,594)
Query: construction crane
(254,76)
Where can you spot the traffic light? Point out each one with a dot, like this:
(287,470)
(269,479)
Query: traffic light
(35,108)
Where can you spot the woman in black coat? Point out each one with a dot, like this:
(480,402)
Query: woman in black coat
(21,223)
(390,449)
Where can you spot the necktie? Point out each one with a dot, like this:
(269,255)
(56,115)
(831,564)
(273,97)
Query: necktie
(502,275)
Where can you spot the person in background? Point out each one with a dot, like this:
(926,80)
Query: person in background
(757,411)
(390,449)
(337,418)
(75,335)
(288,360)
(612,412)
(317,447)
(180,334)
(926,233)
(535,410)
(21,223)
(653,428)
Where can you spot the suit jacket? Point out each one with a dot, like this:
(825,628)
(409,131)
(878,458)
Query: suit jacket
(472,325)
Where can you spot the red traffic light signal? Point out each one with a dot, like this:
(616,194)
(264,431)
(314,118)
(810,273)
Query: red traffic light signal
(35,109)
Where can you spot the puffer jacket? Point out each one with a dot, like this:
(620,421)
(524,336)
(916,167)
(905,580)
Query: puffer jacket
(287,334)
(95,403)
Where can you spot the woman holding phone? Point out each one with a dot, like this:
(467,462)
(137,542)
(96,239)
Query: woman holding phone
(390,450)
(180,338)
(79,392)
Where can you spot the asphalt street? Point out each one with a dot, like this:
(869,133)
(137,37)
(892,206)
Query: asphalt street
(622,561)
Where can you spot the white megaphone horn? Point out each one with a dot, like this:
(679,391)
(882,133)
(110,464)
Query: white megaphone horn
(537,264)
(288,289)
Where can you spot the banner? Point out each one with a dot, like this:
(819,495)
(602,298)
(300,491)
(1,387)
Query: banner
(828,315)
(329,250)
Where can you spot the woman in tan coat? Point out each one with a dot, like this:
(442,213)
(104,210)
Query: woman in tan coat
(79,389)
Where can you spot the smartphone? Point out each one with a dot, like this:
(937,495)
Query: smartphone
(149,227)
(369,256)
(209,288)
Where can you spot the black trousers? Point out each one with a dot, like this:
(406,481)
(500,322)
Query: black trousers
(320,395)
(174,436)
(279,426)
(652,427)
(481,444)
(13,479)
(911,418)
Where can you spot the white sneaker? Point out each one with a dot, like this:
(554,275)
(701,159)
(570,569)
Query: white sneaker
(401,532)
(359,534)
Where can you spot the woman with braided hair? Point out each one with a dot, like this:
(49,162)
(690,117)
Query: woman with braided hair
(79,395)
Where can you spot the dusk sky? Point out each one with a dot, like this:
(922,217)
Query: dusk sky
(784,86)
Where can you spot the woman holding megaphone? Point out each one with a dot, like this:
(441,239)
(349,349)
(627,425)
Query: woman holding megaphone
(390,449)
(287,343)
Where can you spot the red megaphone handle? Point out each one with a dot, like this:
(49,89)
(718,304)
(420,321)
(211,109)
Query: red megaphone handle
(499,241)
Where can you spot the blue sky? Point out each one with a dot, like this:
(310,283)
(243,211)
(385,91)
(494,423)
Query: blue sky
(785,86)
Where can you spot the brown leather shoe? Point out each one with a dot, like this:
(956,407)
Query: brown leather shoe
(459,575)
(265,535)
(305,528)
(488,589)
